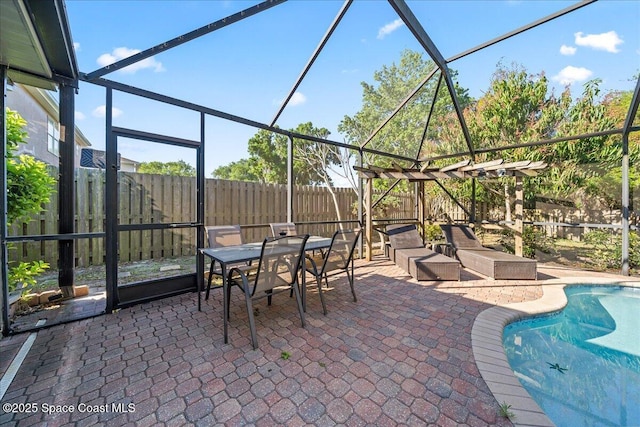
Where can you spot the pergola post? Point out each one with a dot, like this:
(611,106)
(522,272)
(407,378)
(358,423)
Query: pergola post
(360,204)
(369,219)
(519,216)
(290,178)
(420,202)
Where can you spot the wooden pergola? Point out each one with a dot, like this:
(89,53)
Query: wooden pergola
(461,170)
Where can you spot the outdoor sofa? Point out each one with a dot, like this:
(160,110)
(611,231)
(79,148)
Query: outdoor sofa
(409,253)
(489,262)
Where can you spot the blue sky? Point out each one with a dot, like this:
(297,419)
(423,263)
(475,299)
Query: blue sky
(247,68)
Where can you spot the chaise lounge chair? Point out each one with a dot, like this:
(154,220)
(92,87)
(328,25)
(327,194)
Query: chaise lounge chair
(409,253)
(497,265)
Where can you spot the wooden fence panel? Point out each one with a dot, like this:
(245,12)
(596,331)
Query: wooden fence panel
(96,181)
(83,216)
(145,198)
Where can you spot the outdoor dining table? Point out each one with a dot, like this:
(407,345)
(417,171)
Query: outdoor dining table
(230,255)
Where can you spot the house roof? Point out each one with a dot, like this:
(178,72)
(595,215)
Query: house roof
(36,44)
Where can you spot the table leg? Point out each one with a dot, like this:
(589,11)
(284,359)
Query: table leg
(225,287)
(211,267)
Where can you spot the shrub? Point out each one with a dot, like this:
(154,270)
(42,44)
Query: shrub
(24,274)
(533,239)
(29,185)
(432,232)
(607,248)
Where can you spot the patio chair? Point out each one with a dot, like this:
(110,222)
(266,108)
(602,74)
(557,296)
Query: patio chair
(339,256)
(409,253)
(280,260)
(288,228)
(220,236)
(489,262)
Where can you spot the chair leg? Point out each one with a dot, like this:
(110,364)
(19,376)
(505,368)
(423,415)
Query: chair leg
(353,291)
(252,323)
(350,276)
(319,283)
(299,301)
(228,297)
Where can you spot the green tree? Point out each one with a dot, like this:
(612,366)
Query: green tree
(403,134)
(179,168)
(267,160)
(29,186)
(518,107)
(242,170)
(323,161)
(392,84)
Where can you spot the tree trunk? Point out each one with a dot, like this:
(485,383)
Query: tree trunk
(335,203)
(507,203)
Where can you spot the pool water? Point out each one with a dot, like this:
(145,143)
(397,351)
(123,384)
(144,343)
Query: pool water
(582,364)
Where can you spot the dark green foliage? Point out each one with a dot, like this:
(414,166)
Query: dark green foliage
(29,186)
(607,248)
(179,168)
(533,239)
(24,274)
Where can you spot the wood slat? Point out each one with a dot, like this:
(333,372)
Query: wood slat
(455,166)
(482,165)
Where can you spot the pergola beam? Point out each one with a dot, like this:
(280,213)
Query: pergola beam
(461,170)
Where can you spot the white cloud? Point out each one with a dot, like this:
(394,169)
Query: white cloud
(567,50)
(298,98)
(124,52)
(605,41)
(101,111)
(76,46)
(79,115)
(389,28)
(349,71)
(569,75)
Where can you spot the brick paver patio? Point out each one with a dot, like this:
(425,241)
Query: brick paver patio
(400,355)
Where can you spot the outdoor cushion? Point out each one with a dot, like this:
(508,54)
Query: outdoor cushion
(409,253)
(424,264)
(495,264)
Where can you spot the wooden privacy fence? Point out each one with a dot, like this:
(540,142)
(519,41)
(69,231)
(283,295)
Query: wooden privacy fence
(149,198)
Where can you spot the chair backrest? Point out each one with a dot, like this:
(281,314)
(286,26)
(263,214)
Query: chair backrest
(460,236)
(288,228)
(341,250)
(223,235)
(404,236)
(279,263)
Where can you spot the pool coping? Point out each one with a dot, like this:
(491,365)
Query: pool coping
(488,351)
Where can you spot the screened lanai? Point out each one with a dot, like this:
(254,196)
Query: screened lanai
(425,129)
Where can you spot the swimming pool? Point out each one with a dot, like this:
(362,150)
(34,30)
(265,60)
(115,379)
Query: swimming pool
(582,364)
